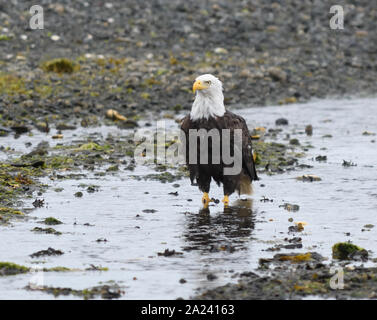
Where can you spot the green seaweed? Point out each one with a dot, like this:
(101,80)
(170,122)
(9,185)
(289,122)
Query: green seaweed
(51,221)
(343,250)
(60,65)
(11,85)
(94,146)
(9,268)
(105,291)
(4,37)
(46,231)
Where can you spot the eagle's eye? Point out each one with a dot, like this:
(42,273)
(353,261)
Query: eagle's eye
(208,82)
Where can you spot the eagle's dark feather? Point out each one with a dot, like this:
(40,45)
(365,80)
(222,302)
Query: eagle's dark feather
(203,173)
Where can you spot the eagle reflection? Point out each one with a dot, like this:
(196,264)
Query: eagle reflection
(229,230)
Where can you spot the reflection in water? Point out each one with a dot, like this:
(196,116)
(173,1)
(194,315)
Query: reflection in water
(229,230)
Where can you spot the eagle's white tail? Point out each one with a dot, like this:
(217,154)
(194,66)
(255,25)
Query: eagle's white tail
(245,185)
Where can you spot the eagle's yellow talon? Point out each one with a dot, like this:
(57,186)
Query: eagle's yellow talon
(226,201)
(205,199)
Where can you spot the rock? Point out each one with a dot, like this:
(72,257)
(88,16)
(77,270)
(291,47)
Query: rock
(37,164)
(20,129)
(112,168)
(62,65)
(38,203)
(309,130)
(277,74)
(128,124)
(58,8)
(300,225)
(48,252)
(42,126)
(245,73)
(290,207)
(89,121)
(360,255)
(220,51)
(348,251)
(361,33)
(281,122)
(149,210)
(40,150)
(51,221)
(288,100)
(64,126)
(348,164)
(272,29)
(309,178)
(46,231)
(92,189)
(8,268)
(27,103)
(321,158)
(368,133)
(294,142)
(169,253)
(4,131)
(293,258)
(211,277)
(114,115)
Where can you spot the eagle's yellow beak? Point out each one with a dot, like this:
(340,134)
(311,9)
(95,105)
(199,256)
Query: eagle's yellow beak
(198,85)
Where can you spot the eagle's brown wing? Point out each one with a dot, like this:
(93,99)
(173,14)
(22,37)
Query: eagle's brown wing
(185,127)
(233,121)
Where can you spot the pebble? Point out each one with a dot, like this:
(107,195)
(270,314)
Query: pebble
(281,122)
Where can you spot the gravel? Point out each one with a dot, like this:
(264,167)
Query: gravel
(141,56)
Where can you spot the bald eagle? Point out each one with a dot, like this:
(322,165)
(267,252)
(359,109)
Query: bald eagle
(208,114)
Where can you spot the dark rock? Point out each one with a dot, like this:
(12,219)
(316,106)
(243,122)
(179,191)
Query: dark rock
(321,158)
(211,277)
(169,253)
(128,124)
(20,129)
(348,251)
(48,252)
(294,142)
(64,126)
(38,203)
(281,122)
(309,130)
(290,207)
(149,210)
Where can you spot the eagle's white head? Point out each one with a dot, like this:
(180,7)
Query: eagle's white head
(209,99)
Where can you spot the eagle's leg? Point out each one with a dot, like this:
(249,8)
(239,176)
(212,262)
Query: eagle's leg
(204,182)
(205,199)
(229,184)
(226,201)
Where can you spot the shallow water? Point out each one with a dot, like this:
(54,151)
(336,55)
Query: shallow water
(218,243)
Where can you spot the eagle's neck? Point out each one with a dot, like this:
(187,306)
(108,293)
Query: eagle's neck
(207,105)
